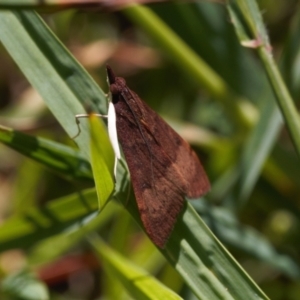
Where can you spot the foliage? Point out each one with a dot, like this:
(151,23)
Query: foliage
(201,63)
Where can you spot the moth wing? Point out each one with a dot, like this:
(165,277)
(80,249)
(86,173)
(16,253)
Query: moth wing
(159,200)
(163,167)
(180,154)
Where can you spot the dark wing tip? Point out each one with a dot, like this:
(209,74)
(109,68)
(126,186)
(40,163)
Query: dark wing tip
(110,74)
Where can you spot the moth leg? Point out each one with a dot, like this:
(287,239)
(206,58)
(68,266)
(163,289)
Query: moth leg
(80,116)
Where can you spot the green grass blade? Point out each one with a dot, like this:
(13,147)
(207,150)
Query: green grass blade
(25,230)
(51,70)
(205,257)
(204,264)
(62,159)
(256,150)
(262,138)
(139,284)
(238,236)
(102,158)
(251,14)
(44,252)
(239,109)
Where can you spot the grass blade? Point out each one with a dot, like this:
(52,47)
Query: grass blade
(62,159)
(139,283)
(51,70)
(239,109)
(260,41)
(205,265)
(25,230)
(102,157)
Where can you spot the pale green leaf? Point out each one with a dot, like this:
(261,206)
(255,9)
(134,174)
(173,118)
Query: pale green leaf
(139,284)
(102,158)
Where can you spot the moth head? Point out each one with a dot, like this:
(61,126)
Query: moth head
(116,89)
(116,84)
(110,74)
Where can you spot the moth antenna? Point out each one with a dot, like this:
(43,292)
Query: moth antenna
(110,74)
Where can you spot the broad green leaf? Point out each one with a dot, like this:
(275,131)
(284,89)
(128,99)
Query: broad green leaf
(102,158)
(139,283)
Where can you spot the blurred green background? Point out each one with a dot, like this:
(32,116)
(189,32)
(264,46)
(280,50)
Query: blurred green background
(238,133)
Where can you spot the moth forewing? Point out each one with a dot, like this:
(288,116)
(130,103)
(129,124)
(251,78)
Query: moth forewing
(163,167)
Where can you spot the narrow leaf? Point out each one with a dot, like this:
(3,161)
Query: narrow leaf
(62,159)
(139,284)
(202,261)
(252,16)
(22,231)
(102,157)
(52,70)
(44,252)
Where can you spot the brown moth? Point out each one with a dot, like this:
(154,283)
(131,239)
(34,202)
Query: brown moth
(163,167)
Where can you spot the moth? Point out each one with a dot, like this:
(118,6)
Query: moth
(163,167)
